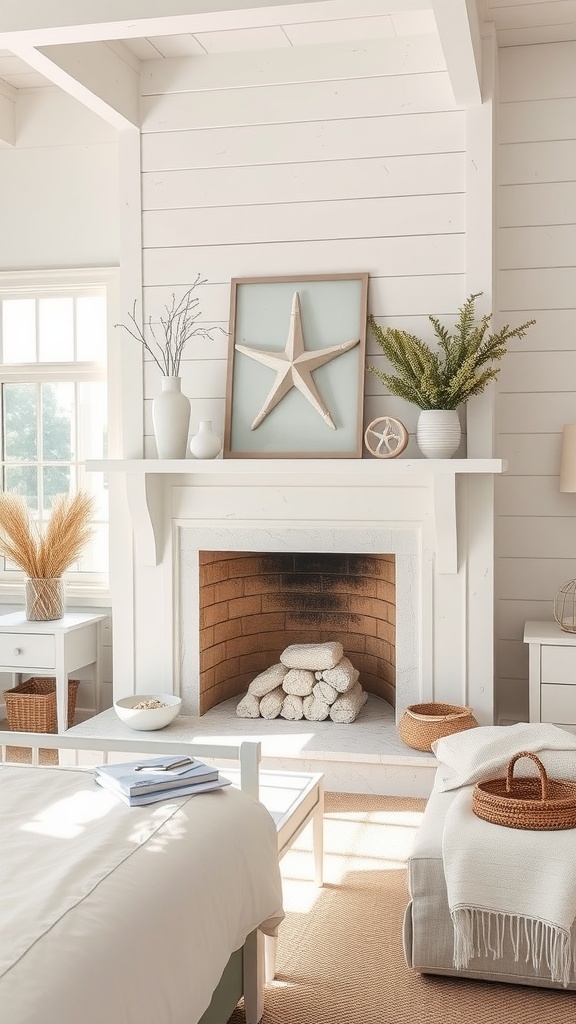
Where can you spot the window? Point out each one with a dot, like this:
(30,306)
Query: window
(53,399)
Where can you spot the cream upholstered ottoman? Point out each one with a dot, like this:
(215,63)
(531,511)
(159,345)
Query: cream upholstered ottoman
(428,935)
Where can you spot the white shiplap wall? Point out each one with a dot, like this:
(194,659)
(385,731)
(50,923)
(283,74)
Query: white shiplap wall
(345,157)
(60,200)
(536,254)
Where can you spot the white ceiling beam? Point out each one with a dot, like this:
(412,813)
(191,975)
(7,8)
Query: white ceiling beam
(48,22)
(460,38)
(94,75)
(7,115)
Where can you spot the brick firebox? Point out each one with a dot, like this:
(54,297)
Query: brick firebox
(254,604)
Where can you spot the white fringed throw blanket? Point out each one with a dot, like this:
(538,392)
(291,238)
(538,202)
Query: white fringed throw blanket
(510,886)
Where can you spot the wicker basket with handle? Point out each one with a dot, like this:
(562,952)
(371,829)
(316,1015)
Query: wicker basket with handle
(421,724)
(540,804)
(31,706)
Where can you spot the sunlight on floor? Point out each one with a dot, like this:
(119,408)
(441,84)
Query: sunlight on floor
(353,842)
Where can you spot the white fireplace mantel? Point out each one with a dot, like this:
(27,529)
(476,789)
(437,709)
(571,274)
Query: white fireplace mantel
(145,480)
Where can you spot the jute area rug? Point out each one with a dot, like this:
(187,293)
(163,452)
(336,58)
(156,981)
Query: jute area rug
(340,958)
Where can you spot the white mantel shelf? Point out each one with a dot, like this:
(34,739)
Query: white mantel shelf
(360,469)
(144,485)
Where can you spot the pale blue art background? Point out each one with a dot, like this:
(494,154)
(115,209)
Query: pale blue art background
(331,314)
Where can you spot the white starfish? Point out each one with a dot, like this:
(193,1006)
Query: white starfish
(294,367)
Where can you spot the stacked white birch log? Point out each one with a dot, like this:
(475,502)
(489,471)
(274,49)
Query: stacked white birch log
(312,681)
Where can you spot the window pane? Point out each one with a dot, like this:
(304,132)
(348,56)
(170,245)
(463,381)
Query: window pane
(20,422)
(23,480)
(91,328)
(19,330)
(57,421)
(56,329)
(92,419)
(49,426)
(55,481)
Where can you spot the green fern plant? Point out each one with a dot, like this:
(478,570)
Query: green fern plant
(460,367)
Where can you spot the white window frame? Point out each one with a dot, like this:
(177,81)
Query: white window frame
(82,590)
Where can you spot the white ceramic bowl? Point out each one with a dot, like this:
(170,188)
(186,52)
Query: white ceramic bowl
(146,719)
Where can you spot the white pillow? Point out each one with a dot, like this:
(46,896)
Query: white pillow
(476,755)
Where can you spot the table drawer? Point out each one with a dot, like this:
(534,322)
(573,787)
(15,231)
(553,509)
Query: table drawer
(558,704)
(26,650)
(558,664)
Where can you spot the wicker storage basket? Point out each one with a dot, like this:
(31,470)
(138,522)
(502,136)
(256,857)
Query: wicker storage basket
(31,706)
(421,724)
(538,804)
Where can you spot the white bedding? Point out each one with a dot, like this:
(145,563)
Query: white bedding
(118,915)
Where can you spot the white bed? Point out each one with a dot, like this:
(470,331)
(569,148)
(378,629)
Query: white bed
(131,915)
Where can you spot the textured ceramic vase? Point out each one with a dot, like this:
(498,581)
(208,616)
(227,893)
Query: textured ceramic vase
(171,419)
(205,444)
(438,433)
(45,599)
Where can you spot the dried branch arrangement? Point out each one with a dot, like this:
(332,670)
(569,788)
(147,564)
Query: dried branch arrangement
(178,325)
(46,554)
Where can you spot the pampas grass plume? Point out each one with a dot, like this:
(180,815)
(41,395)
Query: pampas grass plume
(49,554)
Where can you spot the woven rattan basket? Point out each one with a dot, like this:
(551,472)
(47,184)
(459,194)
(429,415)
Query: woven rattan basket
(31,706)
(421,724)
(541,804)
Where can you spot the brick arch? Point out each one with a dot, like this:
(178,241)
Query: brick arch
(254,604)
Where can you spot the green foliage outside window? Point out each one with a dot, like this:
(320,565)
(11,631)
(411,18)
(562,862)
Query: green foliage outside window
(21,443)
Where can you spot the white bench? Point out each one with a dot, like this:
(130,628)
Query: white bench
(294,799)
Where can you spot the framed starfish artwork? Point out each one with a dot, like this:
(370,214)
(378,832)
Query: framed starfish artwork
(295,383)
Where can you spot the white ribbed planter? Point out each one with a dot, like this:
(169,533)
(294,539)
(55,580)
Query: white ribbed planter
(171,419)
(438,433)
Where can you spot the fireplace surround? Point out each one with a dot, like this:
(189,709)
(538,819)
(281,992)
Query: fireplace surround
(434,516)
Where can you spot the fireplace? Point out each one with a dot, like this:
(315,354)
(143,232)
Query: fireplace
(432,521)
(254,604)
(241,604)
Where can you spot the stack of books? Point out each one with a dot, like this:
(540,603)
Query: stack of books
(158,778)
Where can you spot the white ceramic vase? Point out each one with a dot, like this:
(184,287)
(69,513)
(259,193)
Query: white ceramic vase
(438,433)
(171,419)
(205,444)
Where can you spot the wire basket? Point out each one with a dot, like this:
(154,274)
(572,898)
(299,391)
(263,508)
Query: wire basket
(422,724)
(565,607)
(31,706)
(542,804)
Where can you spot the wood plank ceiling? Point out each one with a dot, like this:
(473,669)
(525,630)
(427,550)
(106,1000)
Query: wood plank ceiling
(39,47)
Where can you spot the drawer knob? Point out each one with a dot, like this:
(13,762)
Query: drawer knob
(17,650)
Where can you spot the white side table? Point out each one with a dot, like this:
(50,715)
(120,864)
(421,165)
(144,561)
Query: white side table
(55,648)
(552,673)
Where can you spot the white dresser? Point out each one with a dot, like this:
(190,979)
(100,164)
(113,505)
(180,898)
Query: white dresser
(552,673)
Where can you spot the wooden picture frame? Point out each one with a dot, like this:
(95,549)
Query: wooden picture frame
(296,357)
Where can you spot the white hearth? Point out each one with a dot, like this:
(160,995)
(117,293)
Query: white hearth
(370,758)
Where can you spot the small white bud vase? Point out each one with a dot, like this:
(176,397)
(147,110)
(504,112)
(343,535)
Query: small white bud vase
(171,419)
(205,444)
(438,433)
